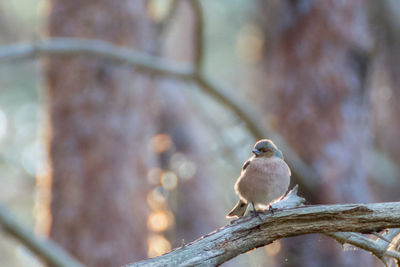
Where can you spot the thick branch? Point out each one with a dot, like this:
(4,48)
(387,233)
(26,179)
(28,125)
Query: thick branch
(250,232)
(48,251)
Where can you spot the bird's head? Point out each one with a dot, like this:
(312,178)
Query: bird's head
(266,148)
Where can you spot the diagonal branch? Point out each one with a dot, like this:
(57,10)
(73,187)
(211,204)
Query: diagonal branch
(46,250)
(250,232)
(154,65)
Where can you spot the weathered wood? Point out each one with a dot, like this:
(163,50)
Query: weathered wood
(250,232)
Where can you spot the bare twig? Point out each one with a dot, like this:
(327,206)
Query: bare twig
(395,244)
(394,235)
(381,237)
(390,235)
(45,249)
(379,250)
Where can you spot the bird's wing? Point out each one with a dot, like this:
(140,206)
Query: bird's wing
(239,210)
(245,165)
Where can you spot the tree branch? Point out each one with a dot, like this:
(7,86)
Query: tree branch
(378,249)
(95,48)
(251,232)
(45,249)
(225,97)
(154,65)
(198,37)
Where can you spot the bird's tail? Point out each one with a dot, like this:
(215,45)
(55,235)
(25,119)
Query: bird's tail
(238,210)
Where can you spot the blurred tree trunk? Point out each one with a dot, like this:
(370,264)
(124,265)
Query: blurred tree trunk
(100,126)
(188,158)
(316,59)
(110,130)
(386,91)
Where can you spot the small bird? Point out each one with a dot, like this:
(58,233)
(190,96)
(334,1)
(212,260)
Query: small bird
(265,177)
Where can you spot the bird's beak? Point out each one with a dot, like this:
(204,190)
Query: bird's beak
(256,152)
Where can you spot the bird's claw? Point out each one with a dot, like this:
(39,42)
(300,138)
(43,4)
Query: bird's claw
(256,213)
(271,209)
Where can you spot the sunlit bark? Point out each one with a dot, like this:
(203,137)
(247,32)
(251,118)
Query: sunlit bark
(100,126)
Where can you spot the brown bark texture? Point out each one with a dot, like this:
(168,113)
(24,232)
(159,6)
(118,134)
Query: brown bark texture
(317,61)
(100,126)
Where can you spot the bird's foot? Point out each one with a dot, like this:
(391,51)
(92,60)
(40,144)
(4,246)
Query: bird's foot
(271,209)
(256,213)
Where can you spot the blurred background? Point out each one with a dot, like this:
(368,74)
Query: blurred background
(116,164)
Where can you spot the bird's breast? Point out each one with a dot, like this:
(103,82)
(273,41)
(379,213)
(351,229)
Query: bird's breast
(264,180)
(267,168)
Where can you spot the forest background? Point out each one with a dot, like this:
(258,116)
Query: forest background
(118,161)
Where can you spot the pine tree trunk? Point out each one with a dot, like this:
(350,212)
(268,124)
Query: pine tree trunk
(317,62)
(100,126)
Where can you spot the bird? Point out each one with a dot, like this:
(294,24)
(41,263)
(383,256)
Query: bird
(264,178)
